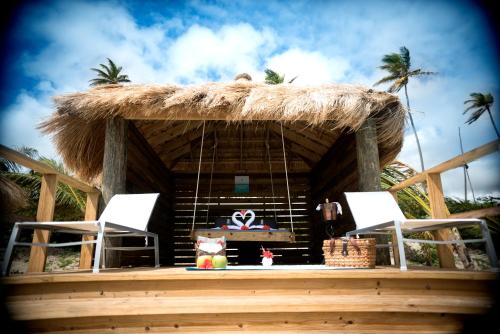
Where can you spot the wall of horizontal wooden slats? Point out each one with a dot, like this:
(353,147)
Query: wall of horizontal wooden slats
(223,201)
(146,173)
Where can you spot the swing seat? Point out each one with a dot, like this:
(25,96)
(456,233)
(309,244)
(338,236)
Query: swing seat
(280,235)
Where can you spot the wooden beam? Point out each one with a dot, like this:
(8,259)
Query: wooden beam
(224,167)
(176,131)
(455,162)
(279,235)
(439,210)
(86,251)
(42,168)
(368,157)
(114,173)
(45,212)
(481,213)
(319,149)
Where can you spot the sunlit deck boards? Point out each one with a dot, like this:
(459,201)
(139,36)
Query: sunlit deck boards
(378,300)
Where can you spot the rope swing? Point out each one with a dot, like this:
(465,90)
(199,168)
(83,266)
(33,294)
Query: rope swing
(198,178)
(260,235)
(286,176)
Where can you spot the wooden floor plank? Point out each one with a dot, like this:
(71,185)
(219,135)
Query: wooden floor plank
(46,309)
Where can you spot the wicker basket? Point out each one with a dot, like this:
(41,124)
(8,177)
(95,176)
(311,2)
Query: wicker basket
(353,253)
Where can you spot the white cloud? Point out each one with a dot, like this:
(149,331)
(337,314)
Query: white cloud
(228,51)
(329,43)
(18,127)
(310,67)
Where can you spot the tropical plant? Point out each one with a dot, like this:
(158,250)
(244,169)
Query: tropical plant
(273,78)
(480,103)
(108,74)
(413,200)
(70,200)
(399,67)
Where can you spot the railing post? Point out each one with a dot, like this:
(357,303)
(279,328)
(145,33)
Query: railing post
(86,250)
(439,210)
(45,212)
(395,248)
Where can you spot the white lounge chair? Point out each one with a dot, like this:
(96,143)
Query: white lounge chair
(124,216)
(379,213)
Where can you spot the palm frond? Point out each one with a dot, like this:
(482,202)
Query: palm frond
(273,78)
(108,74)
(386,79)
(405,56)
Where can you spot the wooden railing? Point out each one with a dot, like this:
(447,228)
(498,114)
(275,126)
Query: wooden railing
(432,177)
(46,206)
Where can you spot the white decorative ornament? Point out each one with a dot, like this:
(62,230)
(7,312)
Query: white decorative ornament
(267,261)
(242,214)
(210,247)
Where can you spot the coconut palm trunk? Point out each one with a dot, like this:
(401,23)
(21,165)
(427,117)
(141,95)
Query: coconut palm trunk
(414,131)
(492,121)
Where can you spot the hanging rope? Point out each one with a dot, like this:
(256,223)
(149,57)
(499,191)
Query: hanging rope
(271,174)
(286,176)
(211,177)
(198,179)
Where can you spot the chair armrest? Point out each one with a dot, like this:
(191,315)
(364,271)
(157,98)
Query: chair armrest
(443,220)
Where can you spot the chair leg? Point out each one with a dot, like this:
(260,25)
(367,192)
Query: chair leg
(490,248)
(399,236)
(157,252)
(8,250)
(98,249)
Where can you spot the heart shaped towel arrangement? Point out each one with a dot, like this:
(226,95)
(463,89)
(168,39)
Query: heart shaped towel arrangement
(239,222)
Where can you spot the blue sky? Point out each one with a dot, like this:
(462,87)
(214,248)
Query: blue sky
(53,44)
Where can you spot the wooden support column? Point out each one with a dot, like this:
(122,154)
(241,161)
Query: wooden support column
(86,251)
(395,248)
(45,212)
(369,172)
(368,158)
(114,173)
(439,210)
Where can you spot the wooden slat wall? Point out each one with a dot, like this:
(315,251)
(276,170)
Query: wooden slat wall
(224,201)
(146,173)
(329,179)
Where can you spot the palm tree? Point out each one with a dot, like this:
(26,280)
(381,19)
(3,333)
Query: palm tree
(30,181)
(108,75)
(480,103)
(273,78)
(399,67)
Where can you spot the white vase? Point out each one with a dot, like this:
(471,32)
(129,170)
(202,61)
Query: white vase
(267,261)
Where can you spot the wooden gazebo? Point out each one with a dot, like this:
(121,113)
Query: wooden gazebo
(138,138)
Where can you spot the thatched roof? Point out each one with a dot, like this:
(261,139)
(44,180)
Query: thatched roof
(79,121)
(12,196)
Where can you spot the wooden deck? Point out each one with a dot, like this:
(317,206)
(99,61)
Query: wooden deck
(382,300)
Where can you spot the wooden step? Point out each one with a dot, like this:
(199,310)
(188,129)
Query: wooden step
(271,322)
(274,301)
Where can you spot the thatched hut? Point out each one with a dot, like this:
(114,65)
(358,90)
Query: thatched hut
(148,138)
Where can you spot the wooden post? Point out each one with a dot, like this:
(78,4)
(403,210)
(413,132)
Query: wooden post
(369,172)
(114,173)
(439,210)
(368,157)
(45,212)
(395,248)
(90,214)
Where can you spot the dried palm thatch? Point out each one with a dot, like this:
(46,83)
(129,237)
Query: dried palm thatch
(12,196)
(78,124)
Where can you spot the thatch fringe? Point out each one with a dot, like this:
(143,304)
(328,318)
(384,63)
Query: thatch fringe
(78,124)
(12,196)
